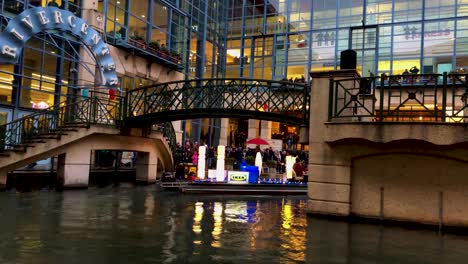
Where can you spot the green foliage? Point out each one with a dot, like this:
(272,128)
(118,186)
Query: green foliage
(136,36)
(229,161)
(155,45)
(250,160)
(271,163)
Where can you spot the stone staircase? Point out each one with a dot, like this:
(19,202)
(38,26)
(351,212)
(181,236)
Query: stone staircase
(41,134)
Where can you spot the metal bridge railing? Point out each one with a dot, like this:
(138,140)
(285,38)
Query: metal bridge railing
(400,98)
(168,131)
(81,111)
(287,101)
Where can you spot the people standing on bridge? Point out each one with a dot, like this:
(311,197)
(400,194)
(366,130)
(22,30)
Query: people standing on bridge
(405,75)
(414,70)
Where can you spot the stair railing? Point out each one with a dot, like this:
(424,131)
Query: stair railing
(97,108)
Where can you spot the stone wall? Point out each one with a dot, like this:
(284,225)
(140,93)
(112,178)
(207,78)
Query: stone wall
(414,172)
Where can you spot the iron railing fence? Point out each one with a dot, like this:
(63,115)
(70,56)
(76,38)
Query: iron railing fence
(265,99)
(285,101)
(96,108)
(168,131)
(400,98)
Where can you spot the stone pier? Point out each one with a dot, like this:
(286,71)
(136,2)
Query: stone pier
(396,171)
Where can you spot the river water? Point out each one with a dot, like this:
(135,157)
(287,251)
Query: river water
(129,224)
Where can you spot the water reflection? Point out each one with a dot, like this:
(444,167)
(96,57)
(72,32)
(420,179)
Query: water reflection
(143,225)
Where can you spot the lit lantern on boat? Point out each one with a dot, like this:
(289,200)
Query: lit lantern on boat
(201,162)
(289,166)
(220,163)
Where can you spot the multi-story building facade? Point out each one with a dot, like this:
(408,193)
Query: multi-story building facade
(150,41)
(279,39)
(155,41)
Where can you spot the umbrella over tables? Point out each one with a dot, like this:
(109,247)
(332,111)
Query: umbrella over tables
(257,141)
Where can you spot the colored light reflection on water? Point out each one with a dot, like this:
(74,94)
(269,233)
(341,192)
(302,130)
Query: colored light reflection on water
(129,224)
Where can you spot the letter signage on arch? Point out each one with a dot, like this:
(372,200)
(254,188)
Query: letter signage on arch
(40,19)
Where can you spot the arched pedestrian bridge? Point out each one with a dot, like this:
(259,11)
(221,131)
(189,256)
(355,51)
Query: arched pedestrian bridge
(286,102)
(99,121)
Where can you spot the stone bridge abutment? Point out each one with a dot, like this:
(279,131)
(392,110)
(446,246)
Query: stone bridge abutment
(411,171)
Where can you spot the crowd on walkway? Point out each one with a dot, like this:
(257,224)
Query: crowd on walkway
(295,80)
(189,154)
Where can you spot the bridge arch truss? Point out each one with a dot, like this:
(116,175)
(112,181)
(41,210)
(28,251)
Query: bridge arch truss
(286,102)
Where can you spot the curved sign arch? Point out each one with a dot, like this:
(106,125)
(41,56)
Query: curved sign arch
(41,19)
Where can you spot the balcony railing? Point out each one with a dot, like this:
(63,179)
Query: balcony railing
(147,50)
(400,98)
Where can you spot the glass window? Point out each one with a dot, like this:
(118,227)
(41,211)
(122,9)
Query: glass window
(438,45)
(137,28)
(384,48)
(350,13)
(406,47)
(462,8)
(408,10)
(324,14)
(462,46)
(323,50)
(14,6)
(439,9)
(298,49)
(6,83)
(299,15)
(378,12)
(160,22)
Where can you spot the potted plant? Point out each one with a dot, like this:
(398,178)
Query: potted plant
(175,56)
(271,164)
(138,40)
(229,163)
(154,45)
(250,160)
(165,52)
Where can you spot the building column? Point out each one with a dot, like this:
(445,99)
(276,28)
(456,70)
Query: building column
(146,167)
(329,186)
(266,129)
(3,179)
(253,129)
(224,132)
(73,168)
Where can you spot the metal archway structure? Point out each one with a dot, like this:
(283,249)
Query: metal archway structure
(34,21)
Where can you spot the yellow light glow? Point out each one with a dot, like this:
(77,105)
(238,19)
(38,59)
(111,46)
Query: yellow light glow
(286,216)
(197,218)
(217,225)
(6,79)
(233,52)
(220,163)
(201,162)
(45,77)
(289,166)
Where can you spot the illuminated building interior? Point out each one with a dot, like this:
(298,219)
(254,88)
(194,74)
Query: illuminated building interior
(279,39)
(261,39)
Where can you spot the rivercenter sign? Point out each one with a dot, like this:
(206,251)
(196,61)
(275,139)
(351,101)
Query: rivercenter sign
(42,19)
